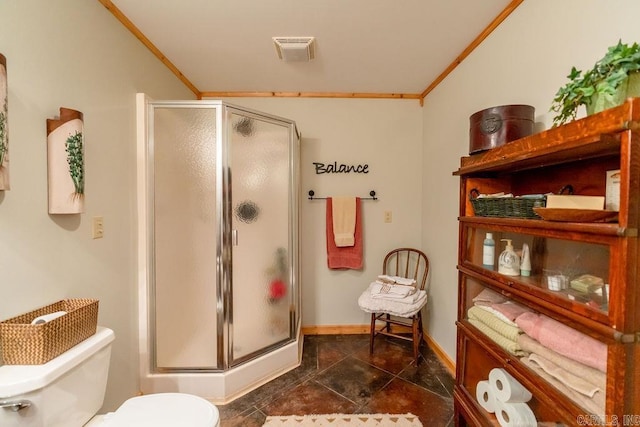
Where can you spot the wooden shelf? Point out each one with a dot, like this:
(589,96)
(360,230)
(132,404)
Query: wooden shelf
(578,153)
(600,228)
(591,137)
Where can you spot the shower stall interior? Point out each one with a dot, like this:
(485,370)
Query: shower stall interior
(218,247)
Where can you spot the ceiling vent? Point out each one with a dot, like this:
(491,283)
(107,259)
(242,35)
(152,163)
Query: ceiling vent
(295,48)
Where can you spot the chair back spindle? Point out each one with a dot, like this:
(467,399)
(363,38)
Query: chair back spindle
(409,263)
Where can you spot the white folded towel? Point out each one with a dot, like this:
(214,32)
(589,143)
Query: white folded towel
(396,292)
(409,299)
(396,279)
(499,315)
(392,306)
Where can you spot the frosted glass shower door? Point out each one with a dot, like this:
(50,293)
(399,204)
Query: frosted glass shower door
(260,170)
(185,222)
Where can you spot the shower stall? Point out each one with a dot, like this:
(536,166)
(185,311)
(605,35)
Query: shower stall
(218,247)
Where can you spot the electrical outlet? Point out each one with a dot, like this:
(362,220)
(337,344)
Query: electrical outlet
(387,216)
(98,227)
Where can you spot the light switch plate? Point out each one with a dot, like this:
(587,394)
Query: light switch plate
(97,227)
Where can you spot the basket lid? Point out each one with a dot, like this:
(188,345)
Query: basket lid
(16,380)
(165,410)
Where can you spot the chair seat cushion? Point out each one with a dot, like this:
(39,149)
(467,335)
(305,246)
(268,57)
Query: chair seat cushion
(395,308)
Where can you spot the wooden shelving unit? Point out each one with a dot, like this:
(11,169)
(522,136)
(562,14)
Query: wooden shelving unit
(579,153)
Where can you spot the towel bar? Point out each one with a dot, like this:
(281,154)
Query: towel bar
(372,193)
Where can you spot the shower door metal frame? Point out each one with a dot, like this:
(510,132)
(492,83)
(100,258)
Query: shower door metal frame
(293,213)
(224,248)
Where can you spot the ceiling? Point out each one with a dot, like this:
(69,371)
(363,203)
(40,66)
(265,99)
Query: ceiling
(384,47)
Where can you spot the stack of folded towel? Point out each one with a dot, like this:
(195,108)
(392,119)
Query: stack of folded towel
(394,295)
(495,316)
(572,362)
(585,385)
(494,326)
(394,287)
(395,280)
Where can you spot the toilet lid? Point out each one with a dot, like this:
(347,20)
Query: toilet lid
(165,410)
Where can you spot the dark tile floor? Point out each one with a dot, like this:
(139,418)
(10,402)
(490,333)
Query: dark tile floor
(338,375)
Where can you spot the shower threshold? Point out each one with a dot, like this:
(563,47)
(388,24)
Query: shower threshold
(223,387)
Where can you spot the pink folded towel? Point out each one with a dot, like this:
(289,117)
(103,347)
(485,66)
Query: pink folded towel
(348,257)
(488,297)
(564,340)
(594,376)
(510,309)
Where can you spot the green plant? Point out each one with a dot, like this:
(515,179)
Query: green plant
(75,160)
(603,79)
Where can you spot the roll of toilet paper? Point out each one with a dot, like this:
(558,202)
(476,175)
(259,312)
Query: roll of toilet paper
(47,317)
(506,388)
(515,414)
(485,396)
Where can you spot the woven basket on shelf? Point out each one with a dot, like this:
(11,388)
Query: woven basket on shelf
(25,344)
(506,207)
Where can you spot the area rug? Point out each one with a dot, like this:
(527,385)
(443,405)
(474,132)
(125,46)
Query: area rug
(344,420)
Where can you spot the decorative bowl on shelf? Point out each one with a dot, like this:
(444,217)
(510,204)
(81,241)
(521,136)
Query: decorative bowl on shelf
(576,215)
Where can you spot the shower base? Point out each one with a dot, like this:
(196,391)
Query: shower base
(223,387)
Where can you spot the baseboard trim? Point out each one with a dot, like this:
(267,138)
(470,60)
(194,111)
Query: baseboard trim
(364,329)
(335,330)
(440,354)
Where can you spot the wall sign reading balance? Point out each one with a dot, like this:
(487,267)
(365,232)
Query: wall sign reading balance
(339,168)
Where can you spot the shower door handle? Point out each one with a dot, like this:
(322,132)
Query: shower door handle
(234,237)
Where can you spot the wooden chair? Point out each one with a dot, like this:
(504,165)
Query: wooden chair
(408,263)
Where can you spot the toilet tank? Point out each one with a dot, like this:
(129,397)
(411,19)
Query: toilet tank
(64,392)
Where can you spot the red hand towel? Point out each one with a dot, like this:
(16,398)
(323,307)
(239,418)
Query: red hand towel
(349,257)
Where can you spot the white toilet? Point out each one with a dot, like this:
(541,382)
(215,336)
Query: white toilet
(69,390)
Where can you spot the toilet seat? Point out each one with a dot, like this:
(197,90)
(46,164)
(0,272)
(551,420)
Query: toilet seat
(164,410)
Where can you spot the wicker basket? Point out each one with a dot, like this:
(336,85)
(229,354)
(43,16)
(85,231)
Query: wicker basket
(506,207)
(26,344)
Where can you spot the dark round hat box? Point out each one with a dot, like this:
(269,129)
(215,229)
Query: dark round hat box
(496,126)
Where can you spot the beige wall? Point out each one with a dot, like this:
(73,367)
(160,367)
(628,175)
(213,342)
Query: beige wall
(78,56)
(46,258)
(75,54)
(386,135)
(524,61)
